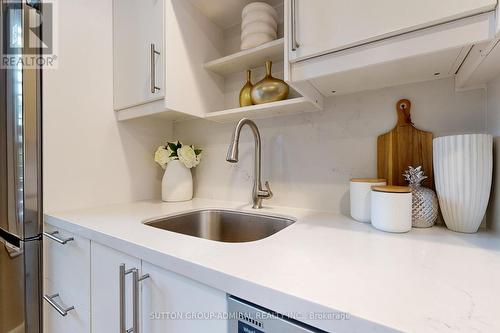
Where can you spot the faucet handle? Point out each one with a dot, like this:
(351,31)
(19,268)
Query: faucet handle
(269,194)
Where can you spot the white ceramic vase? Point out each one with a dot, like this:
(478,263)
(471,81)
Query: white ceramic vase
(463,166)
(177,183)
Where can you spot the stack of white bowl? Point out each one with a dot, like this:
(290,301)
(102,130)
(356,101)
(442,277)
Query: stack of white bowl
(259,25)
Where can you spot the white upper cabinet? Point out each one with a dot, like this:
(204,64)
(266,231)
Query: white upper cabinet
(343,47)
(138,52)
(200,69)
(328,47)
(324,26)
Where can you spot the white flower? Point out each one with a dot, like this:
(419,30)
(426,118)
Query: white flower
(162,156)
(188,157)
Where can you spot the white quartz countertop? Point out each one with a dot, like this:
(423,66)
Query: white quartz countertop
(428,280)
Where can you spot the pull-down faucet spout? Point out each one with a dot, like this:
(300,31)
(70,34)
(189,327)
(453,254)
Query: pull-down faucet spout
(232,156)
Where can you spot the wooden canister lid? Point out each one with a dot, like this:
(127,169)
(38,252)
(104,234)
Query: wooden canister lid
(368,180)
(391,189)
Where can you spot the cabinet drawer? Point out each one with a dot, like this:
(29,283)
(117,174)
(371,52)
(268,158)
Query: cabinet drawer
(76,321)
(67,266)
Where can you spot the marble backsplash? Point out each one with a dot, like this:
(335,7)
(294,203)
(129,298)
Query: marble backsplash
(309,158)
(493,215)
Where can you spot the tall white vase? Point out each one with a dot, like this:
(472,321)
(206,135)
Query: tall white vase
(463,166)
(177,183)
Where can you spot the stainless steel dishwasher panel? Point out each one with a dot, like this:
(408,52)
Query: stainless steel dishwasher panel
(249,318)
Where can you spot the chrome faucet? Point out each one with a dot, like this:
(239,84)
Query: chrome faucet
(232,156)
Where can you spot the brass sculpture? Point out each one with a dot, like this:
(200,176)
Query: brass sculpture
(245,93)
(269,89)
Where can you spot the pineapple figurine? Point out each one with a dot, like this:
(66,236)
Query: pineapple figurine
(424,200)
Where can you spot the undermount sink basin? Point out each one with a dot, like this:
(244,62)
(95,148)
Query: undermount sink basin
(222,225)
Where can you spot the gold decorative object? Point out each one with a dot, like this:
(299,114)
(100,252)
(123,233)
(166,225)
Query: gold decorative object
(269,89)
(245,93)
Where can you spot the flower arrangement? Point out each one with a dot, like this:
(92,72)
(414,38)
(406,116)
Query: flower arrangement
(186,154)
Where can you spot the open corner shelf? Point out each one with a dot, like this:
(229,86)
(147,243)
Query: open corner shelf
(267,110)
(247,59)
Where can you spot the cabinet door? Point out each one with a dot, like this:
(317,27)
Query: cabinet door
(59,258)
(324,26)
(173,303)
(105,288)
(137,25)
(66,273)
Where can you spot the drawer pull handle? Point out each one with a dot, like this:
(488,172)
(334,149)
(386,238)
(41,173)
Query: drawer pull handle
(62,311)
(52,235)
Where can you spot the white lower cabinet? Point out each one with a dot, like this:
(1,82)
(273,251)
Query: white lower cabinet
(105,289)
(173,303)
(167,302)
(86,277)
(66,282)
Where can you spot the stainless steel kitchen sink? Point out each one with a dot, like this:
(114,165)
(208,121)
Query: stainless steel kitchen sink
(222,225)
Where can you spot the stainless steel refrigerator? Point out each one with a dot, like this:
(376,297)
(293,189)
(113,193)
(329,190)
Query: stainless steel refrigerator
(20,179)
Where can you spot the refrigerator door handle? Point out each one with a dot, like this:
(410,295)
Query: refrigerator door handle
(62,241)
(62,311)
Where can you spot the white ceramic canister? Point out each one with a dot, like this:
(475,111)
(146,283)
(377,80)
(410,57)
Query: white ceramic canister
(391,208)
(360,194)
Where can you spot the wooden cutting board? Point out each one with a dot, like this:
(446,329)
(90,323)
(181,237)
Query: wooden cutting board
(405,145)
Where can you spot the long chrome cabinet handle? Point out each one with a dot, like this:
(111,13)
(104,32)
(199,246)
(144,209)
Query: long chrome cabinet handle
(136,279)
(153,54)
(122,274)
(52,235)
(62,311)
(295,44)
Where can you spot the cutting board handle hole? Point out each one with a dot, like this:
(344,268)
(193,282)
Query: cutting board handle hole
(403,107)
